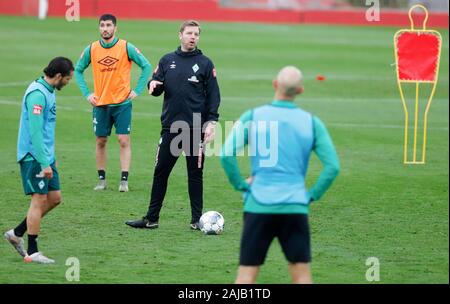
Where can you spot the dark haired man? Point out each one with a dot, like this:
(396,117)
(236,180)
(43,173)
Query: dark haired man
(190,112)
(111,60)
(36,155)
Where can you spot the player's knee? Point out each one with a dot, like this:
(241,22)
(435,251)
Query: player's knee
(38,203)
(101,141)
(56,201)
(124,141)
(38,200)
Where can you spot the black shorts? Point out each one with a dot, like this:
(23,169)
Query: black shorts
(292,231)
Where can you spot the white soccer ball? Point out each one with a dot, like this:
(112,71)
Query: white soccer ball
(212,222)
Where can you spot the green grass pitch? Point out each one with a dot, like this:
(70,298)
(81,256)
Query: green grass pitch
(377,207)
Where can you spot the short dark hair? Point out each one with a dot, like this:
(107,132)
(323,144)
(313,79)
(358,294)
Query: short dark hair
(59,65)
(190,23)
(106,17)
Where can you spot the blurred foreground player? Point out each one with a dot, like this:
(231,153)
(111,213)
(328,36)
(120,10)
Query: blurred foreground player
(276,201)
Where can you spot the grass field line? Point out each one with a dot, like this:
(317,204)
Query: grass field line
(268,98)
(328,99)
(13,84)
(261,76)
(331,124)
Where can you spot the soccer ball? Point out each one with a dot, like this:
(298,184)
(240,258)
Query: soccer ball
(212,222)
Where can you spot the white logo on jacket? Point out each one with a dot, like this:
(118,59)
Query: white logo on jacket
(193,79)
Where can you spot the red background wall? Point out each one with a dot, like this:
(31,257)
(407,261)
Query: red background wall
(209,10)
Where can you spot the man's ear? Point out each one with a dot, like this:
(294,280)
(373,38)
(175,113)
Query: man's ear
(300,90)
(275,84)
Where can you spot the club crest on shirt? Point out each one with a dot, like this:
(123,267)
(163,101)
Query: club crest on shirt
(37,109)
(53,109)
(195,68)
(173,65)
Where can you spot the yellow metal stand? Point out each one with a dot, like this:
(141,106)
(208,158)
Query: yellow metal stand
(417,82)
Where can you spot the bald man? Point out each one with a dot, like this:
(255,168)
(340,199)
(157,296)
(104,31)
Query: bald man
(276,200)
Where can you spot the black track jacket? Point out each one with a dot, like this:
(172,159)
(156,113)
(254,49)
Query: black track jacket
(189,86)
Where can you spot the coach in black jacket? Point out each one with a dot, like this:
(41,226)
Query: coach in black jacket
(190,112)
